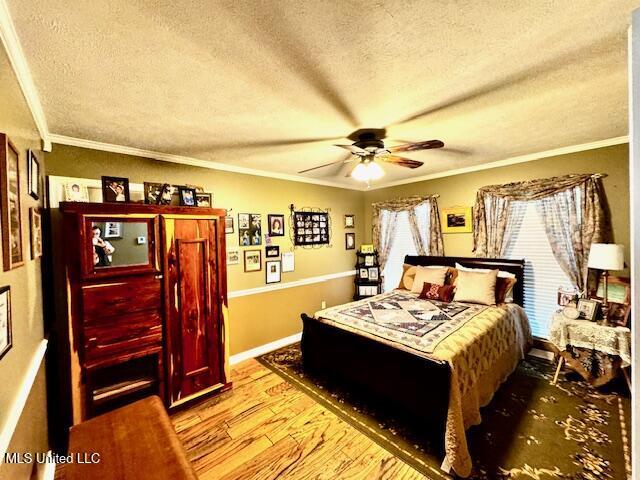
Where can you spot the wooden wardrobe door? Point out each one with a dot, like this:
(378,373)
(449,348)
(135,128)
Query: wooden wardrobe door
(193,326)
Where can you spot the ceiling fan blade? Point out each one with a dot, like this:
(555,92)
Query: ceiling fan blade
(412,147)
(401,161)
(354,149)
(348,159)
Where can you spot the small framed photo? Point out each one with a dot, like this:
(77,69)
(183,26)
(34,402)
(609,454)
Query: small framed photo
(349,221)
(115,189)
(6,340)
(74,192)
(369,260)
(366,248)
(364,273)
(273,269)
(588,308)
(252,260)
(33,174)
(567,296)
(166,196)
(36,233)
(373,273)
(233,256)
(272,251)
(187,196)
(619,314)
(10,203)
(228,225)
(276,225)
(153,193)
(204,199)
(349,241)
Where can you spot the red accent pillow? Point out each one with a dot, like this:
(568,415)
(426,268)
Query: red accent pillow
(431,291)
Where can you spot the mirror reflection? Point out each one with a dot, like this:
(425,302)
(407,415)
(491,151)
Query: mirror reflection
(119,244)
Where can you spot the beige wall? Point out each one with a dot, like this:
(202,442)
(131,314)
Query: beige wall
(461,189)
(244,194)
(26,292)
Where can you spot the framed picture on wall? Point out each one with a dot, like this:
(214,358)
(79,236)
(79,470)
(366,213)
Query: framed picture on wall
(249,229)
(11,224)
(35,221)
(233,256)
(33,174)
(5,320)
(349,221)
(228,225)
(276,225)
(272,251)
(252,260)
(456,220)
(273,271)
(349,241)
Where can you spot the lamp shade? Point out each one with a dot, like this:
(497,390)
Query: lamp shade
(606,256)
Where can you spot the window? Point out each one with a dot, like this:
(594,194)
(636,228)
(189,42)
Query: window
(542,274)
(403,244)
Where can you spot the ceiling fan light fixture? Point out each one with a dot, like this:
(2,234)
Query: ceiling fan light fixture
(367,170)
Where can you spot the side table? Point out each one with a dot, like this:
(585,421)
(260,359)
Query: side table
(611,340)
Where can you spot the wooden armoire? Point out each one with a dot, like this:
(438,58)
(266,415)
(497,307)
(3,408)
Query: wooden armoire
(145,303)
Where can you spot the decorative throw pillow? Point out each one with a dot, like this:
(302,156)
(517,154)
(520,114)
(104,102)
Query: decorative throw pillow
(508,298)
(408,275)
(431,291)
(504,289)
(476,287)
(435,275)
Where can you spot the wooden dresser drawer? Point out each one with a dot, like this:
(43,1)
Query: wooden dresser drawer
(123,333)
(118,298)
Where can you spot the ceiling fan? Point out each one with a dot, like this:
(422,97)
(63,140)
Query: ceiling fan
(368,147)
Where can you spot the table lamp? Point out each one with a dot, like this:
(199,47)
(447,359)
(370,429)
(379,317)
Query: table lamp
(605,257)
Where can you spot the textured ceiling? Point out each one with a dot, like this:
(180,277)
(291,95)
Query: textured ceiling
(249,83)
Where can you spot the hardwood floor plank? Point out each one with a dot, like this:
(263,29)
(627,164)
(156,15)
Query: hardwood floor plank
(230,456)
(269,464)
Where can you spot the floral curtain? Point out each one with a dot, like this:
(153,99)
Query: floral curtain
(426,232)
(574,212)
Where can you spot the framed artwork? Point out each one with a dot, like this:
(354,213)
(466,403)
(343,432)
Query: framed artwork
(349,241)
(187,196)
(456,220)
(364,273)
(588,308)
(349,221)
(228,225)
(167,194)
(366,248)
(112,230)
(233,257)
(13,255)
(74,192)
(369,260)
(619,314)
(273,270)
(618,289)
(252,260)
(288,262)
(153,193)
(272,251)
(6,340)
(311,228)
(249,229)
(36,233)
(115,189)
(373,273)
(276,225)
(204,199)
(567,296)
(33,174)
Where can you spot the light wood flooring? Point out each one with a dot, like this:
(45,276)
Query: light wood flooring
(266,429)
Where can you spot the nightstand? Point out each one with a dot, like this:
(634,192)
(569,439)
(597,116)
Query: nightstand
(569,336)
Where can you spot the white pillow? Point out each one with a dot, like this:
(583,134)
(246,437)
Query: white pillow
(476,287)
(501,273)
(435,275)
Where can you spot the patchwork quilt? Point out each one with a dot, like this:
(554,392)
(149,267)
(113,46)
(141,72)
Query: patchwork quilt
(401,317)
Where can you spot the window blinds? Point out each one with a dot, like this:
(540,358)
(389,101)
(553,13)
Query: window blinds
(542,274)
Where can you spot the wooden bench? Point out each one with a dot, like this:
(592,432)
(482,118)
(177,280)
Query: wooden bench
(134,442)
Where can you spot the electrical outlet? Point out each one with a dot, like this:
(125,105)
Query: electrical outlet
(323,305)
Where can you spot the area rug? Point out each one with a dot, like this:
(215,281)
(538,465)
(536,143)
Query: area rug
(530,430)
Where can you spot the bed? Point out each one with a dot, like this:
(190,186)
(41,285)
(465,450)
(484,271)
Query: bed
(437,377)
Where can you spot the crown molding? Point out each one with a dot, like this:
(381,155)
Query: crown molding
(608,142)
(195,162)
(20,66)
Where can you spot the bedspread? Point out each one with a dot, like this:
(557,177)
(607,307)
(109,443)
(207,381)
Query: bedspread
(482,346)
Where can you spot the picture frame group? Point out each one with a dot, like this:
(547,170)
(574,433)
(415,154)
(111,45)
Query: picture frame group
(249,229)
(182,195)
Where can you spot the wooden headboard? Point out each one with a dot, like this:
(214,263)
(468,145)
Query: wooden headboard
(512,266)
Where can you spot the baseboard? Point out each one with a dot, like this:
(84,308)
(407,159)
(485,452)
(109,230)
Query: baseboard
(262,349)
